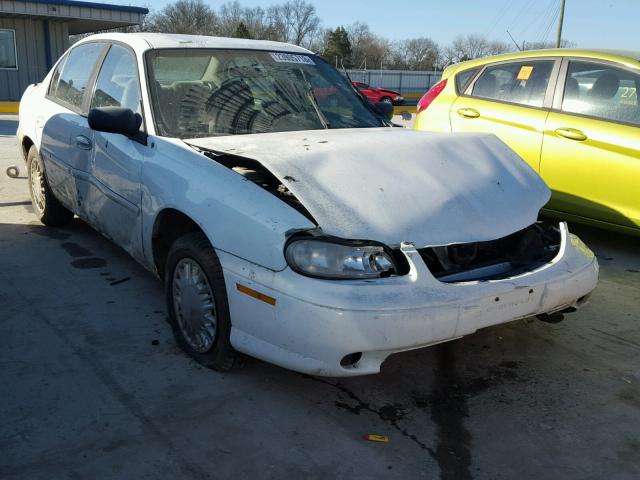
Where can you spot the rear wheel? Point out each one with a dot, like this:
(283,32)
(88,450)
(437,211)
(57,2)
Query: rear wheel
(197,302)
(47,207)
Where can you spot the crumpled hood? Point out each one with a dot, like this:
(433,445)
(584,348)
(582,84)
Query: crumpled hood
(396,185)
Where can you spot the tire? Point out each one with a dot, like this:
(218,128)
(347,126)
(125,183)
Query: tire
(46,207)
(196,293)
(386,100)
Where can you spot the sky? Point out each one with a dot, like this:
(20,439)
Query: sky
(588,23)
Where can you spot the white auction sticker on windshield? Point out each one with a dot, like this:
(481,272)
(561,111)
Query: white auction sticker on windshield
(291,58)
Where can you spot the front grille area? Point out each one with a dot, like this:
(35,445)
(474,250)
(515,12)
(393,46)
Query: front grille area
(505,257)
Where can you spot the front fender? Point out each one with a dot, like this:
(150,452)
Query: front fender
(236,215)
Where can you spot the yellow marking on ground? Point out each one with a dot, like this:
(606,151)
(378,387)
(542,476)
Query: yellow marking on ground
(404,108)
(9,107)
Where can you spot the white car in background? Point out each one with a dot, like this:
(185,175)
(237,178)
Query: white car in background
(287,217)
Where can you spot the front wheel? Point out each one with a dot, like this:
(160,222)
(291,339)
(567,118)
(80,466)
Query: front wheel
(386,100)
(47,207)
(197,302)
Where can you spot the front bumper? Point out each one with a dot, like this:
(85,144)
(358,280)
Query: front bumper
(315,323)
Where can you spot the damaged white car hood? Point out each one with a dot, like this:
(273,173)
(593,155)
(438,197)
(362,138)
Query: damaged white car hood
(396,185)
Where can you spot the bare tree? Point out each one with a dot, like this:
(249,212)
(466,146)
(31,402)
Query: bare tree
(256,20)
(544,45)
(416,54)
(472,46)
(368,50)
(296,21)
(185,16)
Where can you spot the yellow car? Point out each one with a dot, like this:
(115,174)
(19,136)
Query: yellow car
(573,115)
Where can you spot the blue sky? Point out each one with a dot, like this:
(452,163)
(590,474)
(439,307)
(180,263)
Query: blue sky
(589,23)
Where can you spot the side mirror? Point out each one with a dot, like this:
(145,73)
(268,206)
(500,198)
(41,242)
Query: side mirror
(384,109)
(115,120)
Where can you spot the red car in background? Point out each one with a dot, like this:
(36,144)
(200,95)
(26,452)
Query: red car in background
(377,95)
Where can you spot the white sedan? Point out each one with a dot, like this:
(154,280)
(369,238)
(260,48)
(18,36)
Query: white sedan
(287,217)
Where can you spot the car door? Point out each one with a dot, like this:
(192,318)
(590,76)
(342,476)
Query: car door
(591,149)
(113,196)
(512,100)
(66,144)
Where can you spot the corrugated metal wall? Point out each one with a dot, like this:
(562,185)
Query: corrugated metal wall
(403,81)
(32,56)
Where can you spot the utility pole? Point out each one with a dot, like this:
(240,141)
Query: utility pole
(560,22)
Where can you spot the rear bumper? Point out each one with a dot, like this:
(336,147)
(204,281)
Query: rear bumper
(315,323)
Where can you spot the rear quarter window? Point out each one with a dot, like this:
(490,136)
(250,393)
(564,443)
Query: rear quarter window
(463,78)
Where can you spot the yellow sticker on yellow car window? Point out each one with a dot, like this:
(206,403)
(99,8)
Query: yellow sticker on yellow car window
(525,72)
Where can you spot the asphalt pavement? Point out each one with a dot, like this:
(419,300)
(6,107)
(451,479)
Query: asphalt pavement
(92,384)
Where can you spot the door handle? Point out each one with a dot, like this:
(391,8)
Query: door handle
(571,134)
(83,142)
(468,113)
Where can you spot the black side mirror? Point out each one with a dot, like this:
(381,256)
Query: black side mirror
(384,109)
(115,120)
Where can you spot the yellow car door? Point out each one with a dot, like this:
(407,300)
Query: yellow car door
(512,100)
(591,147)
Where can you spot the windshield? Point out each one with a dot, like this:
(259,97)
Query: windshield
(204,93)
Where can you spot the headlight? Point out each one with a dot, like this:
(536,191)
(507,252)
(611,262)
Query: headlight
(326,258)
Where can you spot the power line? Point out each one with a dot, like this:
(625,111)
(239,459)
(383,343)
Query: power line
(506,7)
(526,25)
(543,18)
(549,27)
(547,17)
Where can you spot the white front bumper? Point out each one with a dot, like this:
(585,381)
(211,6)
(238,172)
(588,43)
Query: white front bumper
(315,322)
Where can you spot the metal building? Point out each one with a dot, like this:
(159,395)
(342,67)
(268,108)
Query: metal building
(34,33)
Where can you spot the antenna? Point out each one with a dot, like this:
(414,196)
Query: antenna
(514,42)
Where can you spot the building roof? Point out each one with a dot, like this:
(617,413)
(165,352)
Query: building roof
(81,16)
(102,6)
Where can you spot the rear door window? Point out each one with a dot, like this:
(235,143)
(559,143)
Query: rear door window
(523,82)
(602,91)
(71,84)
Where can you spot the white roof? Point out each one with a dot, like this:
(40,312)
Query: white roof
(146,41)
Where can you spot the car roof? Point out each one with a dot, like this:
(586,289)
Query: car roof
(149,41)
(630,58)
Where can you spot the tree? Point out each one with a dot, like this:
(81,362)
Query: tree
(296,21)
(416,54)
(338,47)
(544,45)
(242,31)
(185,16)
(367,49)
(472,46)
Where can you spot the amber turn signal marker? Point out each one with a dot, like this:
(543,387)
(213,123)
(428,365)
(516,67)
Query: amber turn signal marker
(254,294)
(376,438)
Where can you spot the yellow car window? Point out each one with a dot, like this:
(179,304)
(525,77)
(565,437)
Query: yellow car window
(602,91)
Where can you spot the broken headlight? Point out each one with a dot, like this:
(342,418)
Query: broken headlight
(329,258)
